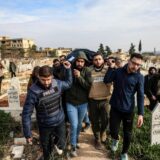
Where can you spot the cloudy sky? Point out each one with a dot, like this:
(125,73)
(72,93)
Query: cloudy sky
(83,23)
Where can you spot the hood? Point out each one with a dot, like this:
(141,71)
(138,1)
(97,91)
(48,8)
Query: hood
(81,55)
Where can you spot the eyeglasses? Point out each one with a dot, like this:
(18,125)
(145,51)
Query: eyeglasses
(136,64)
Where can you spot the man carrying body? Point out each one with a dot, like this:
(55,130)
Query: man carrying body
(99,100)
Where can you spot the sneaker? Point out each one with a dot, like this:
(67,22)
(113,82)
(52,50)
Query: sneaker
(78,146)
(87,126)
(59,151)
(114,145)
(98,145)
(73,152)
(124,156)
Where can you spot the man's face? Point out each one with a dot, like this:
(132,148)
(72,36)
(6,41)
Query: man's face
(134,64)
(57,64)
(46,81)
(111,62)
(98,61)
(62,59)
(80,63)
(153,71)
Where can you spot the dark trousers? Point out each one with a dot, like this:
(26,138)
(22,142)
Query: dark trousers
(115,120)
(50,136)
(98,116)
(13,74)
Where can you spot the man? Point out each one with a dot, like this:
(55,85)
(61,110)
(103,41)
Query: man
(154,90)
(56,67)
(45,96)
(127,81)
(77,99)
(12,69)
(151,72)
(110,62)
(1,75)
(99,100)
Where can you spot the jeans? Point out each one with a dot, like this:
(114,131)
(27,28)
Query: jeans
(115,120)
(76,115)
(53,135)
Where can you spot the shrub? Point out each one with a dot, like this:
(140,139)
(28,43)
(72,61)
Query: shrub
(7,124)
(140,147)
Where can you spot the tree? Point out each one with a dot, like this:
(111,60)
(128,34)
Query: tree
(132,49)
(52,53)
(34,48)
(2,50)
(108,50)
(21,52)
(140,46)
(101,49)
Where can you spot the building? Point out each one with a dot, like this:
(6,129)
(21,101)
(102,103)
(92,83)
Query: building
(9,45)
(63,51)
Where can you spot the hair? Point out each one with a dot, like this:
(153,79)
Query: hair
(45,71)
(98,54)
(35,71)
(150,68)
(55,60)
(62,56)
(136,55)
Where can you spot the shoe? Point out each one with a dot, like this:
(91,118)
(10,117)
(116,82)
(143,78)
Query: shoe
(73,152)
(114,145)
(59,151)
(124,156)
(103,137)
(78,146)
(86,127)
(98,145)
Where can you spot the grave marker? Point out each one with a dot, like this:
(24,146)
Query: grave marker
(155,125)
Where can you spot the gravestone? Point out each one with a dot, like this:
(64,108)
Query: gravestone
(13,97)
(155,125)
(16,84)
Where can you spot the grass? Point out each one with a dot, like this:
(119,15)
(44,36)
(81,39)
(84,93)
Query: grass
(140,147)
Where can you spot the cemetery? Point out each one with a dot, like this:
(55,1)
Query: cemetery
(145,141)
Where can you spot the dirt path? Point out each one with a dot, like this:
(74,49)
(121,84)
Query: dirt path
(87,150)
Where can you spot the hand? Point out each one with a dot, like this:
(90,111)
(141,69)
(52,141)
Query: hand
(29,140)
(76,73)
(67,64)
(140,121)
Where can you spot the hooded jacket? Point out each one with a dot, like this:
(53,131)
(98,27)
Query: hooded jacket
(78,93)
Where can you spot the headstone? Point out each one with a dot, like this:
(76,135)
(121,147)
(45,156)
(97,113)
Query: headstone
(17,151)
(16,84)
(155,125)
(13,97)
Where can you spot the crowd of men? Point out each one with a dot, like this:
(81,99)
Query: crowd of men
(72,91)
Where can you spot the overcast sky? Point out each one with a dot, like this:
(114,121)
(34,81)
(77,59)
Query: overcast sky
(83,23)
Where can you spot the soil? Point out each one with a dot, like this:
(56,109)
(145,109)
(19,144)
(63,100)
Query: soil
(4,101)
